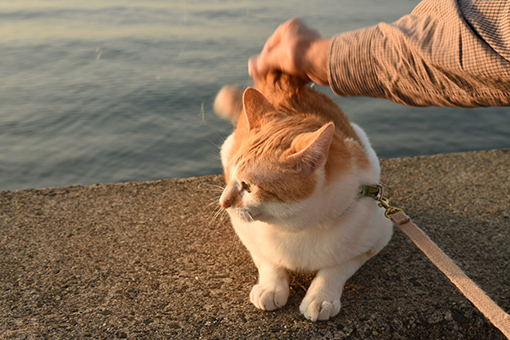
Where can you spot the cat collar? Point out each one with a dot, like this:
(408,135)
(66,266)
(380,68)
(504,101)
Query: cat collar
(376,192)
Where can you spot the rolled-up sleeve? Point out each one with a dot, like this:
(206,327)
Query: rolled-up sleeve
(445,53)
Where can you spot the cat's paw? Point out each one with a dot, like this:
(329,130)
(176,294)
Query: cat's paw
(269,297)
(319,307)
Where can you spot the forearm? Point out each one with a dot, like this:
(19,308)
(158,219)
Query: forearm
(431,57)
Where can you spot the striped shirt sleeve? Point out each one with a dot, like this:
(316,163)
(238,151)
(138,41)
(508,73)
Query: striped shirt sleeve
(445,53)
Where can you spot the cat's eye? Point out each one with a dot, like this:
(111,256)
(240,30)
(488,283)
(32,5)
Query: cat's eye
(246,187)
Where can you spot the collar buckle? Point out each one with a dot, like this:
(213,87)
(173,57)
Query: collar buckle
(376,192)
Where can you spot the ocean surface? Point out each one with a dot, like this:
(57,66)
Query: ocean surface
(111,91)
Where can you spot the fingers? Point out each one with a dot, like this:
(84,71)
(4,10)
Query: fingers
(252,67)
(285,50)
(270,59)
(260,64)
(274,54)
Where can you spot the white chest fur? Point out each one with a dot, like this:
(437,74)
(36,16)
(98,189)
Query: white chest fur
(318,246)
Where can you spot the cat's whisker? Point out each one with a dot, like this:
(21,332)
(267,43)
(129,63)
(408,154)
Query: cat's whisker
(215,186)
(221,137)
(214,157)
(216,145)
(250,217)
(219,216)
(218,213)
(213,208)
(213,204)
(299,229)
(202,112)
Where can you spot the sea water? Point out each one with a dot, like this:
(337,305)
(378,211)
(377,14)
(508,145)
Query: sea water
(112,91)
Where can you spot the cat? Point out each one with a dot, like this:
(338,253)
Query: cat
(293,168)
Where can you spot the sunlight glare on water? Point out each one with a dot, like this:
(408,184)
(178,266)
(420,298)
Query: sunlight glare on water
(113,91)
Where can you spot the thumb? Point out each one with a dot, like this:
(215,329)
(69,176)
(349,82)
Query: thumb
(253,66)
(260,64)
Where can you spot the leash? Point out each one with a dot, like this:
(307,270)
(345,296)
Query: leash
(471,291)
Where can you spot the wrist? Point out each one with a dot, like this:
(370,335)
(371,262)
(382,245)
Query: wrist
(317,58)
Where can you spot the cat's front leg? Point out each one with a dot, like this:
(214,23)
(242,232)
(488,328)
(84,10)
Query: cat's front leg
(272,291)
(322,300)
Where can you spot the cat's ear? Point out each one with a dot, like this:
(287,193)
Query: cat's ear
(255,106)
(314,149)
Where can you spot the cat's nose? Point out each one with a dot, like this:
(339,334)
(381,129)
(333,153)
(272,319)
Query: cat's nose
(228,197)
(225,203)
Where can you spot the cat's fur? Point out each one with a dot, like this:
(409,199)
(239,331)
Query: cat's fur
(293,168)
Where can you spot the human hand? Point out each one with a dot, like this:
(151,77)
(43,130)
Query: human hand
(296,49)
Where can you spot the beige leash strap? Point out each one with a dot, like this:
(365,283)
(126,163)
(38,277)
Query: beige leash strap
(477,296)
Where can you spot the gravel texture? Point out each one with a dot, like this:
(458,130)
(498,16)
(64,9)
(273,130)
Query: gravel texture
(156,260)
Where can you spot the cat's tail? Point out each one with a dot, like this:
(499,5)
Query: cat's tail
(229,103)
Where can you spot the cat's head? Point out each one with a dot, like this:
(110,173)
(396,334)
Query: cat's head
(274,162)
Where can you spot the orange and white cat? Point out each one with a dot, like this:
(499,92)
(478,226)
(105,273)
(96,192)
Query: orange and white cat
(293,168)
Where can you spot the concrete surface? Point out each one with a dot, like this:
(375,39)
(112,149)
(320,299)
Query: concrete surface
(154,260)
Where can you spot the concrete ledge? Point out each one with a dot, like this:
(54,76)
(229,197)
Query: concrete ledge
(154,260)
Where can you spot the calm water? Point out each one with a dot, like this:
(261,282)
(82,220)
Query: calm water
(113,91)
